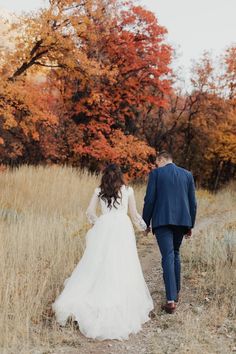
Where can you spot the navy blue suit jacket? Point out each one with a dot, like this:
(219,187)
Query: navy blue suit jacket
(170,197)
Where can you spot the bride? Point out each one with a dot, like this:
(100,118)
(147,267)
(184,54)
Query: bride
(106,293)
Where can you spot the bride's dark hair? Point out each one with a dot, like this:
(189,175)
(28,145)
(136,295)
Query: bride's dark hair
(112,180)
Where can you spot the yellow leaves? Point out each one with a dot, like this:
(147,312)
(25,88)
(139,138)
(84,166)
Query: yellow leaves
(35,136)
(222,140)
(94,98)
(10,121)
(25,127)
(51,119)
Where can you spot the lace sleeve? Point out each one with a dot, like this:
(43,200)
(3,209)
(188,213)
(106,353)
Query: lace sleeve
(91,211)
(135,216)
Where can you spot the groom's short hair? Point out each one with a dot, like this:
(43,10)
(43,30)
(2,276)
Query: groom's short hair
(164,155)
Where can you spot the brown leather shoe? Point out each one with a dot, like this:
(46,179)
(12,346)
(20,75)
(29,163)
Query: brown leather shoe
(169,307)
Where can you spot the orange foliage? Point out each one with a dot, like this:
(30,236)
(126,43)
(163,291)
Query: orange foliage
(89,82)
(105,62)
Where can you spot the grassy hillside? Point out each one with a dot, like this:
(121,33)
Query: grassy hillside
(42,229)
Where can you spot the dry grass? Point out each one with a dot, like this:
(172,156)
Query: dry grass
(211,256)
(42,229)
(206,320)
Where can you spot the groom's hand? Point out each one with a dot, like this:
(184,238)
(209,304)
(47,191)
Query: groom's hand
(188,234)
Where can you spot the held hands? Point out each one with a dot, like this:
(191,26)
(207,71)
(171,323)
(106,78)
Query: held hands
(146,232)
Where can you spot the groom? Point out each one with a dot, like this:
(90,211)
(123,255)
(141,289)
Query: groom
(170,205)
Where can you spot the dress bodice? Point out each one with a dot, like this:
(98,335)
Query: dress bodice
(125,204)
(120,206)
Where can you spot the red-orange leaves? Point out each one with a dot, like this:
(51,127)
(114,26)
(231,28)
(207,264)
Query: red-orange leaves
(78,82)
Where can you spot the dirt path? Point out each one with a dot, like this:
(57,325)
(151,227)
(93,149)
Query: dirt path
(165,333)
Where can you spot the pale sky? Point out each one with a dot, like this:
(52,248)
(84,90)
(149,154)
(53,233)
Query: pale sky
(193,25)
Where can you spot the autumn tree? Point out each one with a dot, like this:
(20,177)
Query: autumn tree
(107,62)
(89,82)
(199,127)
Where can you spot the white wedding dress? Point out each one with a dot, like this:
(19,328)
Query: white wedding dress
(106,293)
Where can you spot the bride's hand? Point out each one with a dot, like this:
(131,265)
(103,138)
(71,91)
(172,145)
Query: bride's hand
(146,232)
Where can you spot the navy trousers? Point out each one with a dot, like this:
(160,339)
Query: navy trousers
(169,239)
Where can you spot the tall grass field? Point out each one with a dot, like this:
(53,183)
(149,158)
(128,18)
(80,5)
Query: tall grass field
(42,236)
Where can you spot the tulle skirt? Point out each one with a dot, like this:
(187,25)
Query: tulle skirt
(106,293)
